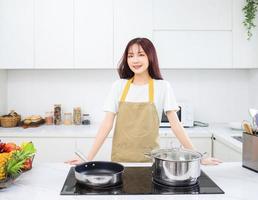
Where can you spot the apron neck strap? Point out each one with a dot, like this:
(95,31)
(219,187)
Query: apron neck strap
(127,86)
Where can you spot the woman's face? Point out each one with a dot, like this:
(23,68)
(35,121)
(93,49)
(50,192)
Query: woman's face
(137,59)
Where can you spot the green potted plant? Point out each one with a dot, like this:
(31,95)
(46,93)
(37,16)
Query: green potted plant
(250,10)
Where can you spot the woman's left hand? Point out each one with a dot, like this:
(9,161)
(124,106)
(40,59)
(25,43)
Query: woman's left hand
(210,161)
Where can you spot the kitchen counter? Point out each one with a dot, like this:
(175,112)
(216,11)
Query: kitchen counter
(80,131)
(45,181)
(224,134)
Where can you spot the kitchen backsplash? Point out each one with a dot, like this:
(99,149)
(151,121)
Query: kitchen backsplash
(253,88)
(3,91)
(217,95)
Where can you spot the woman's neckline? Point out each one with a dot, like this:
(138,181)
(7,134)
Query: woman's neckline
(139,85)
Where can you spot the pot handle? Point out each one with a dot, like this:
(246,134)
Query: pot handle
(148,155)
(204,155)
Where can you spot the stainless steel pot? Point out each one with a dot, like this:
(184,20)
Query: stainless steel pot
(176,167)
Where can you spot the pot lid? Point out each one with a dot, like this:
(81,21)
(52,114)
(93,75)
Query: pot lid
(176,154)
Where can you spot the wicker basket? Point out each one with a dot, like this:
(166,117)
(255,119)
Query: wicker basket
(10,121)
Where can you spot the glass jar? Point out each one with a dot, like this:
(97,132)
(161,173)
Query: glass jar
(67,118)
(49,118)
(57,114)
(86,119)
(77,116)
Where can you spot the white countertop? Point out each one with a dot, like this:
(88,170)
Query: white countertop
(84,131)
(224,134)
(45,181)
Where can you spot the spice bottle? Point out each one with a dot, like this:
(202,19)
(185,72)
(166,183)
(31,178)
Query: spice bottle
(49,118)
(77,116)
(67,118)
(57,114)
(86,119)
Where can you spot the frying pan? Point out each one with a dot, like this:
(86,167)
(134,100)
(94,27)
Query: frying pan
(99,174)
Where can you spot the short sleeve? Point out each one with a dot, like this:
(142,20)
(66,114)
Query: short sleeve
(111,102)
(170,102)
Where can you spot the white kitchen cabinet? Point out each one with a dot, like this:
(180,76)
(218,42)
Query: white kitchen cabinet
(16,34)
(54,33)
(225,152)
(194,49)
(202,144)
(84,145)
(192,14)
(132,18)
(93,30)
(244,51)
(49,149)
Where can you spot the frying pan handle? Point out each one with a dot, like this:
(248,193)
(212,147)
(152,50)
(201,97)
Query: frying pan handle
(81,156)
(99,179)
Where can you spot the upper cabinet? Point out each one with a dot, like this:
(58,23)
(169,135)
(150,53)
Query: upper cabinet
(54,33)
(244,51)
(93,34)
(192,14)
(193,33)
(132,18)
(16,34)
(87,34)
(194,49)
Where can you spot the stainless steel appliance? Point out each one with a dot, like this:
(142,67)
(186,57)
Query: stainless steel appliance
(138,181)
(185,116)
(176,166)
(250,151)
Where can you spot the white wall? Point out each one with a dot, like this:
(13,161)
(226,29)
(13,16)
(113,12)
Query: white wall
(3,91)
(253,88)
(217,95)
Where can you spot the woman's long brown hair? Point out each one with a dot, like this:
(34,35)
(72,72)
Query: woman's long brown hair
(125,72)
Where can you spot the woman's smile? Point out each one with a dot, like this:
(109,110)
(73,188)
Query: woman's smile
(137,66)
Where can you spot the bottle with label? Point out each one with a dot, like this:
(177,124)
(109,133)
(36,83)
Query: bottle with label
(86,119)
(57,114)
(77,116)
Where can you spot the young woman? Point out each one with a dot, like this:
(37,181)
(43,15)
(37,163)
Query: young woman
(136,101)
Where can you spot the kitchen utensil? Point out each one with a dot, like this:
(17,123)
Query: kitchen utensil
(253,112)
(99,174)
(176,166)
(256,122)
(247,127)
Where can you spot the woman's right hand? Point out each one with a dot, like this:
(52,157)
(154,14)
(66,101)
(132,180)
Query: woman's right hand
(75,161)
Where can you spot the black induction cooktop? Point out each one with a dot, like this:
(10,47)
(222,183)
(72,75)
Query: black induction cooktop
(138,181)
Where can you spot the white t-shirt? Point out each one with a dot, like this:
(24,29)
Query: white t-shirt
(164,98)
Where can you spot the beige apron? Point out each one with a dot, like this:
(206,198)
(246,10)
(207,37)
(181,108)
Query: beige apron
(137,128)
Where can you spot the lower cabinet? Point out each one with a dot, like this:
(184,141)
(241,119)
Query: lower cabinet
(49,149)
(225,152)
(84,146)
(62,149)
